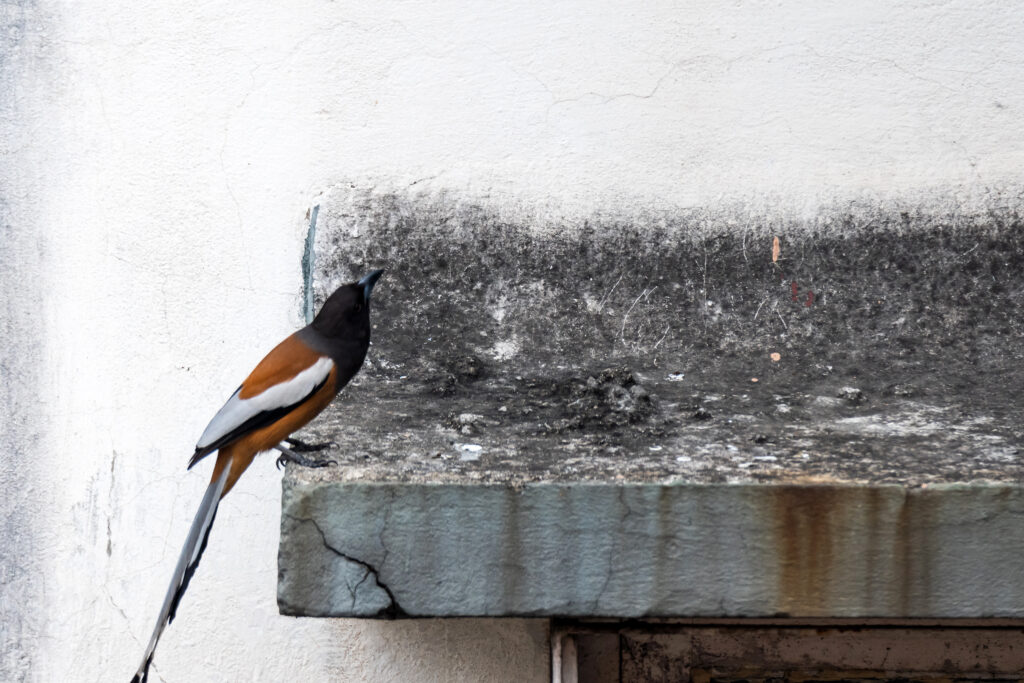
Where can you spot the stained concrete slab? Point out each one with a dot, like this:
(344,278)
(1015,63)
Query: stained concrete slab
(668,415)
(820,653)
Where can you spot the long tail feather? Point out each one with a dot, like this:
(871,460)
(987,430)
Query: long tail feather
(195,544)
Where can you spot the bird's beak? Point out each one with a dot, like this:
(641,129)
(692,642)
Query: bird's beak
(368,282)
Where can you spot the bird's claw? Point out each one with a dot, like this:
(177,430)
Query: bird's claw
(287,455)
(282,460)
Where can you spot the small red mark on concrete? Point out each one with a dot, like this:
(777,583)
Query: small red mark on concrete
(794,287)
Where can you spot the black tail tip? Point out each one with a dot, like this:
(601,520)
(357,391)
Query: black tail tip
(142,675)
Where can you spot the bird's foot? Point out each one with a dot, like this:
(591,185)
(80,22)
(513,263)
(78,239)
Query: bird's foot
(288,455)
(306,447)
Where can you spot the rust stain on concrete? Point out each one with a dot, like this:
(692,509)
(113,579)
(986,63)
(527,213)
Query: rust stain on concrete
(804,524)
(845,546)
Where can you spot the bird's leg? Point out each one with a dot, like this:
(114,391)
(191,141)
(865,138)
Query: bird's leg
(305,447)
(287,455)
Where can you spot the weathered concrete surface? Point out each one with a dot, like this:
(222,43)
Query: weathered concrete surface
(825,652)
(625,345)
(643,550)
(567,423)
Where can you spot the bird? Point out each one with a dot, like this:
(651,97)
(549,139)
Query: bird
(287,389)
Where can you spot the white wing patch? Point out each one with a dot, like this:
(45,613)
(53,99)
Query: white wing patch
(238,410)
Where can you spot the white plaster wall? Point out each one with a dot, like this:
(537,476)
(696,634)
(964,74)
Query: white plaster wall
(158,159)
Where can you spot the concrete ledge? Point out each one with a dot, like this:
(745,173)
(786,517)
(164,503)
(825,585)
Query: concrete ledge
(651,417)
(654,550)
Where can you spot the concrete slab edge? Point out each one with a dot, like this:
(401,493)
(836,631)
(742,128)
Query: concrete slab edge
(369,549)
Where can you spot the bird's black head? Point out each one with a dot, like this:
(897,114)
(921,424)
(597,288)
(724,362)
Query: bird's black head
(346,313)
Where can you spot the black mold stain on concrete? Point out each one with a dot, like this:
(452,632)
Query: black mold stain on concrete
(877,333)
(308,257)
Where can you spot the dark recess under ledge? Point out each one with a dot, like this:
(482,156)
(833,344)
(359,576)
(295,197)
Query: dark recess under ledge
(564,422)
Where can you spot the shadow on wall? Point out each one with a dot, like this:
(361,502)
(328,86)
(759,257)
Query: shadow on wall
(453,646)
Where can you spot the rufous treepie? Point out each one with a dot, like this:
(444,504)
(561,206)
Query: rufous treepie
(288,388)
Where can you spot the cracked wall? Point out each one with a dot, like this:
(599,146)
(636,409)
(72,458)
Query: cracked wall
(159,162)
